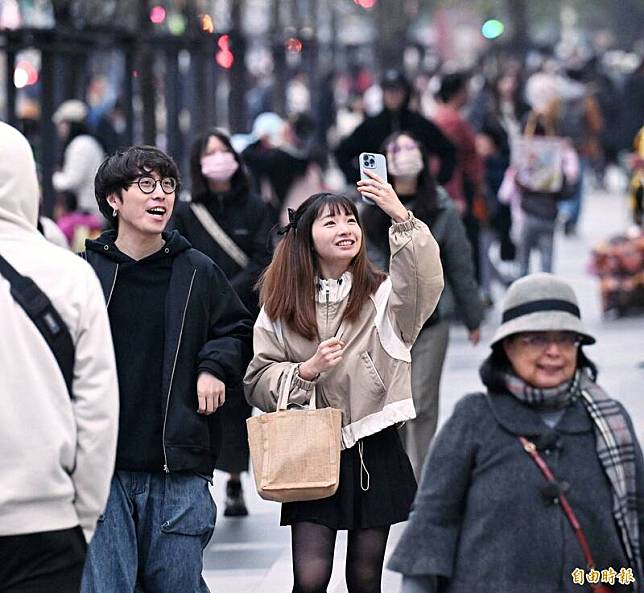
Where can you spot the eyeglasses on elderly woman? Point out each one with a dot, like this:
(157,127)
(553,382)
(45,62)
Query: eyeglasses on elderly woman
(539,341)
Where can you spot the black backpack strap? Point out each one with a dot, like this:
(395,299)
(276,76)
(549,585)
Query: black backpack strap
(45,317)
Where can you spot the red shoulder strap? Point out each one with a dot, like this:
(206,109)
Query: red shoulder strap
(531,449)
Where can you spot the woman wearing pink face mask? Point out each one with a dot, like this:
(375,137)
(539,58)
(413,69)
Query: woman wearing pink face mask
(418,191)
(229,223)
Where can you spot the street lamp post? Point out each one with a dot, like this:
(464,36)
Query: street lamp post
(237,77)
(172,90)
(128,88)
(279,60)
(48,131)
(10,87)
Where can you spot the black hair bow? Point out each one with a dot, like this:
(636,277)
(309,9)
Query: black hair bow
(292,222)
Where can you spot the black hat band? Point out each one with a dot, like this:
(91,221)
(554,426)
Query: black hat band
(540,306)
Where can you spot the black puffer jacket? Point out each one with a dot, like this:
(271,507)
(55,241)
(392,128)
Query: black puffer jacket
(279,167)
(207,329)
(371,133)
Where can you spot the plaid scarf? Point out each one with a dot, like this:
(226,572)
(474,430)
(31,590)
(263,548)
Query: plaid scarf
(552,398)
(614,441)
(616,452)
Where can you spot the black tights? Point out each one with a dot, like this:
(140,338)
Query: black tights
(313,547)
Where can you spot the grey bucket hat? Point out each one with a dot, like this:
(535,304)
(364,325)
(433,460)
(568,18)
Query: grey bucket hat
(541,302)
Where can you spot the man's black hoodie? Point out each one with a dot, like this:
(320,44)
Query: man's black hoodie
(173,315)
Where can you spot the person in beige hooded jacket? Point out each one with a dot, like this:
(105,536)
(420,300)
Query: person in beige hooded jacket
(56,452)
(332,322)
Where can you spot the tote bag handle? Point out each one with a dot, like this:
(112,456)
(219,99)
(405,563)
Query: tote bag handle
(285,389)
(533,120)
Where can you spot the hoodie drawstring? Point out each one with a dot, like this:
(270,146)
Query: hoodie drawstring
(363,468)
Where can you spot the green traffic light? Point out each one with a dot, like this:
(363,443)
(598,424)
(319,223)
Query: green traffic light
(492,29)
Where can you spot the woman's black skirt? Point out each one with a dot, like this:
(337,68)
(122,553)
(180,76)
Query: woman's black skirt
(387,500)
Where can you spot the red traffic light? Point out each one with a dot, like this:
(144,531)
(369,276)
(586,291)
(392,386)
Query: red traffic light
(225,58)
(25,74)
(224,43)
(157,14)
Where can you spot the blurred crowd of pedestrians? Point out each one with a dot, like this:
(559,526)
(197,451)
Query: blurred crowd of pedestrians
(483,169)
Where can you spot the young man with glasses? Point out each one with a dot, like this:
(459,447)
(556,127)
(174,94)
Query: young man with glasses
(180,335)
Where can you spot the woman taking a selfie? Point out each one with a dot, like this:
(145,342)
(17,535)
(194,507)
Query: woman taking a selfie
(513,469)
(346,329)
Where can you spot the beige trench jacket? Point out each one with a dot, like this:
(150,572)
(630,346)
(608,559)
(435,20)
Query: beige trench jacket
(372,384)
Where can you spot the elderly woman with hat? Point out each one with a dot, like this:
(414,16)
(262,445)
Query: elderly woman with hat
(537,485)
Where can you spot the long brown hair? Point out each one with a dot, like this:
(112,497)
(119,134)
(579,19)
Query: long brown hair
(287,286)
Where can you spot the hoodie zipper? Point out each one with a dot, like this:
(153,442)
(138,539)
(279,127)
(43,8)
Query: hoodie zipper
(326,329)
(166,469)
(109,298)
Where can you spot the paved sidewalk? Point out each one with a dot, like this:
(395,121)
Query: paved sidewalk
(252,555)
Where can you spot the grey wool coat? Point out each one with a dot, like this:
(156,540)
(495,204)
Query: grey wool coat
(481,518)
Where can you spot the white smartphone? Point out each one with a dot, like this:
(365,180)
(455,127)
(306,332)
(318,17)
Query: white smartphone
(376,163)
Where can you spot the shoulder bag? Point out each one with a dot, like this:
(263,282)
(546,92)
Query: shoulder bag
(219,235)
(531,449)
(45,317)
(296,452)
(538,160)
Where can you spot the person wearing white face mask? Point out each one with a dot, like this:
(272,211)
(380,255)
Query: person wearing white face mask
(218,168)
(417,189)
(407,161)
(229,223)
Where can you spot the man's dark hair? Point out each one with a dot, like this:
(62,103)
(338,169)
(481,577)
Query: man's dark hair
(120,169)
(452,84)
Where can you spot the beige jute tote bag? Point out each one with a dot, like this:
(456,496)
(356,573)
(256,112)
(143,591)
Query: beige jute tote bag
(296,452)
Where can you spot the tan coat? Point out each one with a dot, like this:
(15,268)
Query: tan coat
(372,384)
